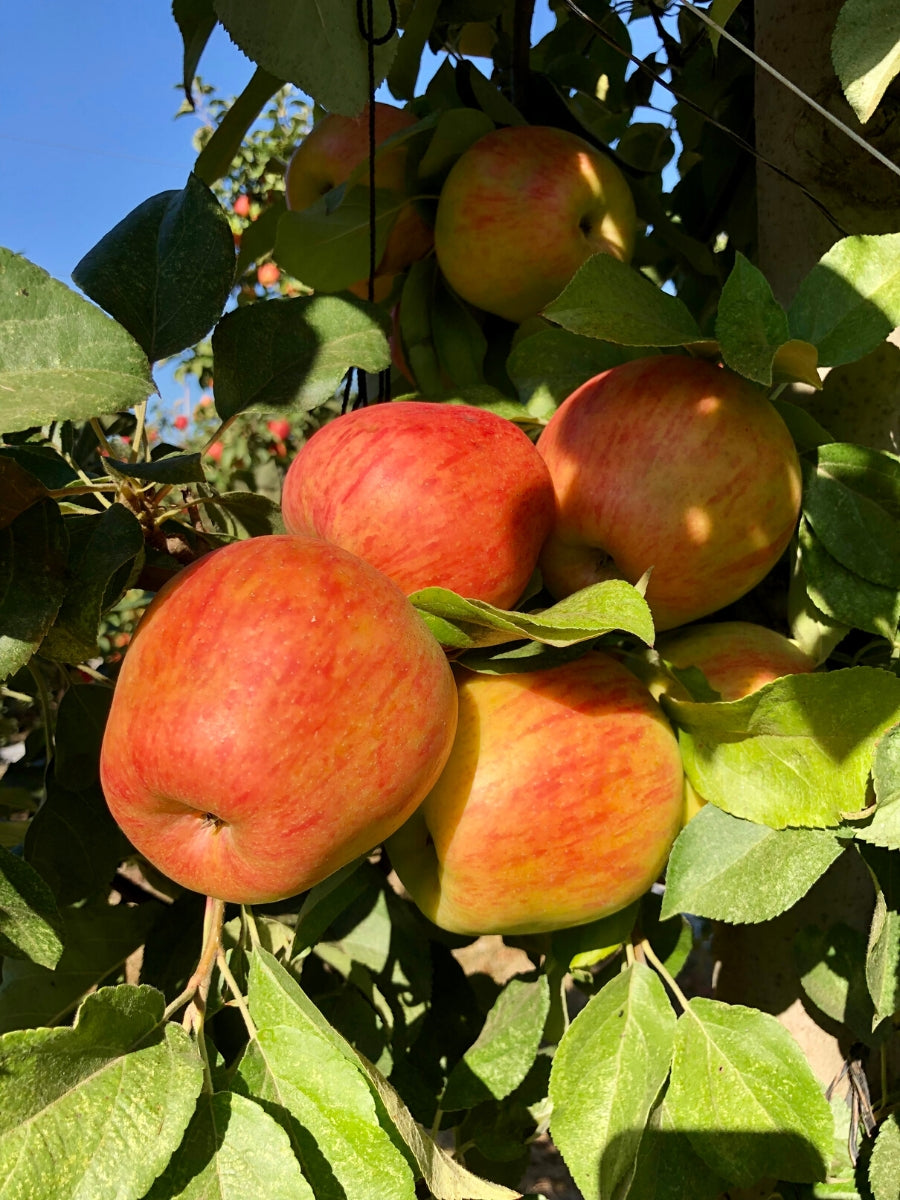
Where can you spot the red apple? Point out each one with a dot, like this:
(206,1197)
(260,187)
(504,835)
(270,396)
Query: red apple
(327,157)
(280,428)
(215,451)
(181,421)
(519,213)
(737,658)
(674,464)
(558,805)
(433,495)
(267,274)
(242,205)
(281,709)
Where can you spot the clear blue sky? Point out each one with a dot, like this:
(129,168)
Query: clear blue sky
(87,121)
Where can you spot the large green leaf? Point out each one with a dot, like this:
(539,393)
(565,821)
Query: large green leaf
(884,1166)
(586,614)
(852,501)
(727,869)
(291,355)
(607,1073)
(328,245)
(746,1097)
(196,20)
(232,1150)
(33,553)
(96,941)
(105,550)
(60,357)
(549,365)
(842,594)
(320,49)
(751,325)
(30,924)
(796,752)
(831,965)
(165,271)
(865,50)
(667,1167)
(505,1049)
(883,957)
(96,1110)
(882,828)
(607,299)
(850,301)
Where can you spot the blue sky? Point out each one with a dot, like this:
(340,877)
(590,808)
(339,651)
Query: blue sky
(87,121)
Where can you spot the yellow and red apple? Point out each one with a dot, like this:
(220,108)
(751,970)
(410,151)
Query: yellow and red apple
(281,710)
(432,494)
(671,465)
(558,805)
(329,155)
(521,210)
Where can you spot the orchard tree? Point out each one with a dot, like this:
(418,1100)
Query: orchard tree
(709,1007)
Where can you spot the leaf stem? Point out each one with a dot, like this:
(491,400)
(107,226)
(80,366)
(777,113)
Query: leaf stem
(661,970)
(199,982)
(239,999)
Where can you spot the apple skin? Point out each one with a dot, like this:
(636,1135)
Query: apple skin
(558,805)
(331,152)
(674,464)
(432,494)
(737,658)
(521,210)
(281,710)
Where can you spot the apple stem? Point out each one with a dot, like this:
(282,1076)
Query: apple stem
(655,961)
(199,982)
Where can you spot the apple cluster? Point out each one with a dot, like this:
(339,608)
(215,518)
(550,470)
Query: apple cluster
(325,718)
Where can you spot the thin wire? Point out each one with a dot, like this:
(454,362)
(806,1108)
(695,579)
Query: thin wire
(823,112)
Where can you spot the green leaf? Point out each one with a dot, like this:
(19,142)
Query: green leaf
(255,513)
(607,299)
(457,129)
(171,468)
(291,355)
(96,1110)
(883,958)
(607,1073)
(328,1111)
(842,594)
(104,551)
(746,1097)
(884,1166)
(505,1050)
(666,1165)
(727,869)
(165,271)
(586,614)
(323,54)
(232,1150)
(327,245)
(850,301)
(60,358)
(33,551)
(858,401)
(405,68)
(796,752)
(73,840)
(882,828)
(865,50)
(646,146)
(326,901)
(852,501)
(720,11)
(216,157)
(96,941)
(19,489)
(831,963)
(445,1177)
(584,945)
(30,924)
(750,325)
(549,365)
(196,20)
